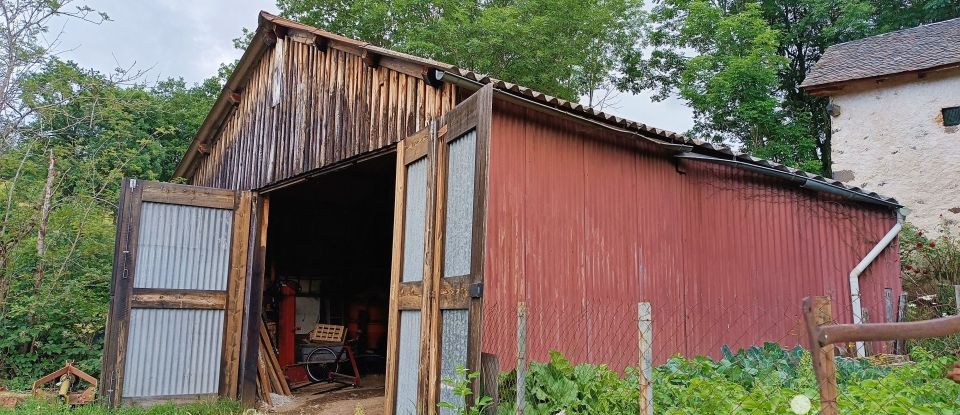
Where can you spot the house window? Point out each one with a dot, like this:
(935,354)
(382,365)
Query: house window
(951,116)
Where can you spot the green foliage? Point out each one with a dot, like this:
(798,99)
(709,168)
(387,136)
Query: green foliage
(98,131)
(461,388)
(758,380)
(930,267)
(199,408)
(739,65)
(565,48)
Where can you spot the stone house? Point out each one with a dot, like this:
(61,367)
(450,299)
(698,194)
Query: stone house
(895,114)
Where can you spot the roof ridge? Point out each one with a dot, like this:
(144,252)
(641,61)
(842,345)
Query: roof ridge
(892,32)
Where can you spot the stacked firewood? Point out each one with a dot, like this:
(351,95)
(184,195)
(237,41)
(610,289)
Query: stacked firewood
(270,377)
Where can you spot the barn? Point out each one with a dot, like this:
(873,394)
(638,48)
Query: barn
(417,204)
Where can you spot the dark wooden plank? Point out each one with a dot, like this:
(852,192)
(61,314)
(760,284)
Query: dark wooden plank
(455,292)
(410,296)
(178,194)
(253,295)
(123,287)
(233,323)
(117,285)
(178,299)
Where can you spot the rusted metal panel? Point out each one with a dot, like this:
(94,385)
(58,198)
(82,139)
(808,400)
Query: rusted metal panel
(173,353)
(331,107)
(582,231)
(183,247)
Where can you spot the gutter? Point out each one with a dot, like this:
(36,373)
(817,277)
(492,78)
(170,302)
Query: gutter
(856,307)
(803,181)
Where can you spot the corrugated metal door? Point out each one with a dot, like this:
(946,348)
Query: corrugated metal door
(176,310)
(438,257)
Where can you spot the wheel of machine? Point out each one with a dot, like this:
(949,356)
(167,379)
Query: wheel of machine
(322,361)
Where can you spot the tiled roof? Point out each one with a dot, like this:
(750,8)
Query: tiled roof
(925,47)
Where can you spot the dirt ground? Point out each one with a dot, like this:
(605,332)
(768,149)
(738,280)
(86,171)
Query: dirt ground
(320,399)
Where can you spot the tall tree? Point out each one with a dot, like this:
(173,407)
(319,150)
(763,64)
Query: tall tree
(566,48)
(804,29)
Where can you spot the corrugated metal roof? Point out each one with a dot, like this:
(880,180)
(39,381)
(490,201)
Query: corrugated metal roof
(573,108)
(923,47)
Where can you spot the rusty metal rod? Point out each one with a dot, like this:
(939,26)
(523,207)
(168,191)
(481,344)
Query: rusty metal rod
(845,333)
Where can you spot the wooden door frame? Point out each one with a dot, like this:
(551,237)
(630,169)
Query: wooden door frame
(434,293)
(410,295)
(123,295)
(451,293)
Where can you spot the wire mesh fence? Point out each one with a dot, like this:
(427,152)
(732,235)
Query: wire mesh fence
(716,356)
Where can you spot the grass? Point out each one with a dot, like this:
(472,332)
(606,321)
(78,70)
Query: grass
(34,407)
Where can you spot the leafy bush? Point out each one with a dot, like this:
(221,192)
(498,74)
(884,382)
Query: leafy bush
(759,380)
(930,267)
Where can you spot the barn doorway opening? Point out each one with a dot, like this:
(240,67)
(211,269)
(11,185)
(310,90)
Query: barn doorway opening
(327,265)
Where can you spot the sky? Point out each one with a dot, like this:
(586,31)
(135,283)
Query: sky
(189,39)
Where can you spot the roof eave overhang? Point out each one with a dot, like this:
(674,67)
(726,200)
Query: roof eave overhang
(829,88)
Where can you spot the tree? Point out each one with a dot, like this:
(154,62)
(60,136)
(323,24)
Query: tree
(804,30)
(98,130)
(566,48)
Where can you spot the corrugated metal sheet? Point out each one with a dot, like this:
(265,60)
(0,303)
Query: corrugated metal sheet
(173,352)
(408,372)
(583,231)
(453,353)
(415,221)
(460,190)
(183,247)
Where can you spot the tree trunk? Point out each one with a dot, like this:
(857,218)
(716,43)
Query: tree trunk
(44,218)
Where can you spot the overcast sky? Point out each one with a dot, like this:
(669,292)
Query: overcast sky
(191,38)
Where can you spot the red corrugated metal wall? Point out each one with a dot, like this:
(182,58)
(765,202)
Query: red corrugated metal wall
(582,231)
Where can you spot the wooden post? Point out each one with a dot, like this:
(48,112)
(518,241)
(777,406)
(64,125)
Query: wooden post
(645,334)
(888,317)
(490,380)
(901,317)
(956,296)
(866,319)
(818,311)
(521,355)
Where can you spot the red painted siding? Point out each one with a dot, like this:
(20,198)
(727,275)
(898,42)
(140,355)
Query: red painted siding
(583,230)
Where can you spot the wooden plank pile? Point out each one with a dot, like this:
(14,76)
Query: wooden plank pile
(270,377)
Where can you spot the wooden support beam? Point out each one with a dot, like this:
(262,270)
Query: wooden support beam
(178,299)
(370,58)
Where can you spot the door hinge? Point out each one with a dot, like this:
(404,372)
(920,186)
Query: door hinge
(476,290)
(126,261)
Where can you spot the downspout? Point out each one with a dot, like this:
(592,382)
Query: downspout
(856,307)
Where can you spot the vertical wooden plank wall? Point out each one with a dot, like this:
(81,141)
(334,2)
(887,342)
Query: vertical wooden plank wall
(332,106)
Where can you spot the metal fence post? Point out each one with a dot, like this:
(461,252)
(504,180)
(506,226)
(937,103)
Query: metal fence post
(645,334)
(521,356)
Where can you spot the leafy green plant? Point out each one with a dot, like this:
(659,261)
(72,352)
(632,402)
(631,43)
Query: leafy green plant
(461,388)
(757,380)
